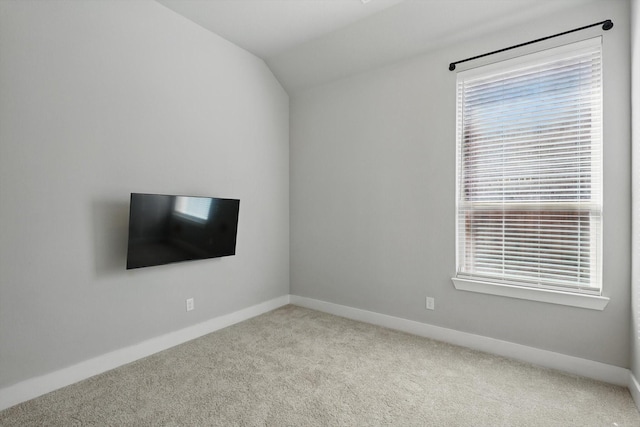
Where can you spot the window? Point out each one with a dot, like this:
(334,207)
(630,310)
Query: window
(529,171)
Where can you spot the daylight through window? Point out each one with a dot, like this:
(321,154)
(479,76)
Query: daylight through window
(529,172)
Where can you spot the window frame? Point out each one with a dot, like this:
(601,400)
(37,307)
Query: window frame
(515,290)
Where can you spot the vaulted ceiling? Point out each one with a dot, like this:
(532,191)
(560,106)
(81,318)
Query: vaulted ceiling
(310,42)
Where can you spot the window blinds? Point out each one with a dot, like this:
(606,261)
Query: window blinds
(529,185)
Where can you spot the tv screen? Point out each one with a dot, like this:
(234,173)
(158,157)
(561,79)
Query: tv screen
(165,229)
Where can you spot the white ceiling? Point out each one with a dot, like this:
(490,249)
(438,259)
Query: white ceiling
(309,42)
(269,27)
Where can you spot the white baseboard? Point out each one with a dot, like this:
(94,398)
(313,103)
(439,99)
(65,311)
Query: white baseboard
(548,359)
(38,386)
(634,389)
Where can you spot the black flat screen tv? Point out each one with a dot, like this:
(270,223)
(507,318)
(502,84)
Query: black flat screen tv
(165,229)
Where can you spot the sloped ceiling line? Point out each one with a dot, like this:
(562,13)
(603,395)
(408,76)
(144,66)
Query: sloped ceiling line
(311,42)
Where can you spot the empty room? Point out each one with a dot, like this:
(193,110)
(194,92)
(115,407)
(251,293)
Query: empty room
(320,212)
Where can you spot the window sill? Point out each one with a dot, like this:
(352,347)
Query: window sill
(591,302)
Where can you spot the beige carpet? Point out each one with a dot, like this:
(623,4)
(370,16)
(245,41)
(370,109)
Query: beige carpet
(299,367)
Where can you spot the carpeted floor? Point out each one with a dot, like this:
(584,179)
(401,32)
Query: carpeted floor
(299,367)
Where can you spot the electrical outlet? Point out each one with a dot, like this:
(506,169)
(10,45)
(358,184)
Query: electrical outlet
(431,303)
(190,305)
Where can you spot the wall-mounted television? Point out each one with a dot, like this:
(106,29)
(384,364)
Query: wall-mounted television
(165,229)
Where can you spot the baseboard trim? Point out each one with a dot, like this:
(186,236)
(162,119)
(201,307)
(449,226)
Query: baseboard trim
(634,389)
(38,386)
(548,359)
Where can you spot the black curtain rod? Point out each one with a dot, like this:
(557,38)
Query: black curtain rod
(606,25)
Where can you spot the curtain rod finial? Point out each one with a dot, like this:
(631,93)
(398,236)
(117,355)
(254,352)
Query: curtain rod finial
(452,66)
(607,25)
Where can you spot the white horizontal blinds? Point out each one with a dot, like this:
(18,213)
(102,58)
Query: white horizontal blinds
(529,172)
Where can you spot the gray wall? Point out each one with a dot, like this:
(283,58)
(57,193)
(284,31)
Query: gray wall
(100,99)
(373,203)
(635,131)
